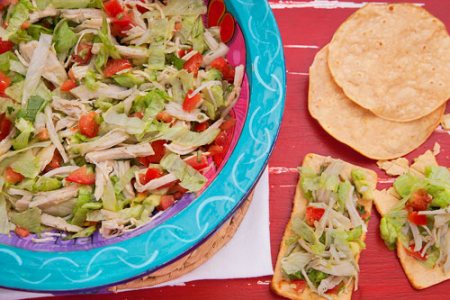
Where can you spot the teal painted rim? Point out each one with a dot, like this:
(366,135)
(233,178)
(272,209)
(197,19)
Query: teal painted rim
(102,266)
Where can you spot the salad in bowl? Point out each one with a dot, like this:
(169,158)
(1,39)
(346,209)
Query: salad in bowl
(110,112)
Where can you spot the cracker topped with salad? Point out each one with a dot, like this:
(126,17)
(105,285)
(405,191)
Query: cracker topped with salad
(110,112)
(416,217)
(322,243)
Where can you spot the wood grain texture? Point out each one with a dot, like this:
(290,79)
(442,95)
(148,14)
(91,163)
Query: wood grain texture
(381,274)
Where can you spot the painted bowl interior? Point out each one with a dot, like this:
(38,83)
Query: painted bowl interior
(69,265)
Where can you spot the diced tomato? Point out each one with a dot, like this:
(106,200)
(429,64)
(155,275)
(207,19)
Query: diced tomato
(417,219)
(419,200)
(313,214)
(43,135)
(68,85)
(336,289)
(88,124)
(152,173)
(83,54)
(227,27)
(113,8)
(21,232)
(178,26)
(142,9)
(123,22)
(221,139)
(55,163)
(164,117)
(138,114)
(114,66)
(228,124)
(199,127)
(177,190)
(6,3)
(183,52)
(159,149)
(196,162)
(5,126)
(5,46)
(191,102)
(215,149)
(416,254)
(5,81)
(12,176)
(299,285)
(224,67)
(166,202)
(193,64)
(82,175)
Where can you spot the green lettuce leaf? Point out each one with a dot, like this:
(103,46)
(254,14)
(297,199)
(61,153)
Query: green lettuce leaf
(128,80)
(406,184)
(29,219)
(79,211)
(46,184)
(19,14)
(309,181)
(295,262)
(175,61)
(362,185)
(5,226)
(157,58)
(184,137)
(184,8)
(64,38)
(26,129)
(26,164)
(35,104)
(68,4)
(190,178)
(391,225)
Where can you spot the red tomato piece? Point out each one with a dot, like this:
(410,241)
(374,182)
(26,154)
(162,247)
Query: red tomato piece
(5,46)
(336,289)
(83,53)
(199,127)
(196,162)
(166,202)
(68,85)
(21,232)
(227,27)
(114,66)
(113,8)
(221,139)
(177,191)
(6,3)
(55,163)
(224,67)
(417,219)
(25,25)
(5,126)
(142,9)
(82,175)
(5,82)
(299,285)
(152,173)
(138,114)
(313,214)
(123,22)
(419,200)
(43,135)
(216,10)
(191,102)
(415,254)
(183,52)
(228,124)
(159,149)
(12,176)
(88,125)
(193,64)
(164,117)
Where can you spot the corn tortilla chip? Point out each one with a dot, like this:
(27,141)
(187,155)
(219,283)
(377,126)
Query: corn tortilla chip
(357,127)
(394,60)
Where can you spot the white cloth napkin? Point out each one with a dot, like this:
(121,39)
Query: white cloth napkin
(246,255)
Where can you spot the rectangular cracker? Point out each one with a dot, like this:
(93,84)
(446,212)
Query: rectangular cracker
(282,287)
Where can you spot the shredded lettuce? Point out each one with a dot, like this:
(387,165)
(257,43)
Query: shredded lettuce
(390,227)
(26,164)
(26,129)
(79,210)
(184,137)
(29,219)
(157,59)
(35,104)
(128,80)
(184,8)
(4,219)
(71,4)
(19,14)
(46,184)
(64,38)
(189,178)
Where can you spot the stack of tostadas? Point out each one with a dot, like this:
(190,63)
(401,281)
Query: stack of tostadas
(382,84)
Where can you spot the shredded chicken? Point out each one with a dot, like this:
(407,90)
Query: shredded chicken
(125,152)
(103,91)
(59,223)
(46,199)
(82,14)
(40,14)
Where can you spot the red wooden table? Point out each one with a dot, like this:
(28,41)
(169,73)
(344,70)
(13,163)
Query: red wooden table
(304,31)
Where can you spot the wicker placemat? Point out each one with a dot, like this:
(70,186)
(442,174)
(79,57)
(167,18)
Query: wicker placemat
(193,259)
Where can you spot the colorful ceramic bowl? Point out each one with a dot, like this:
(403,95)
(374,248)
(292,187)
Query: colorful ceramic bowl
(70,265)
